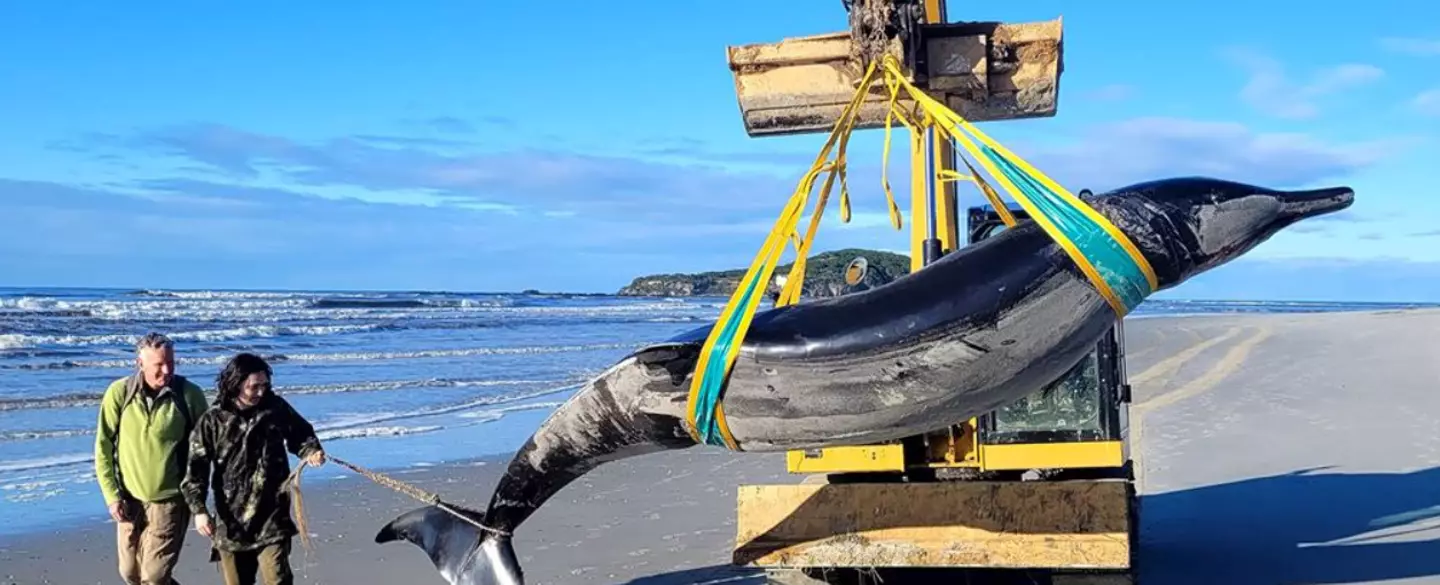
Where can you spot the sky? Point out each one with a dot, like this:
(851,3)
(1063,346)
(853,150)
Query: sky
(494,146)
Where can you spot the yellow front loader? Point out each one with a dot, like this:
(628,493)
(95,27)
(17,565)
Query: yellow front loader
(1041,490)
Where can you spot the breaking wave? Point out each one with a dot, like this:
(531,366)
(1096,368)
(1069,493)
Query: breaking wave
(358,426)
(375,432)
(335,357)
(90,399)
(349,421)
(22,341)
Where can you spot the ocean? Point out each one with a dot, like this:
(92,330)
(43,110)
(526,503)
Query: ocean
(391,380)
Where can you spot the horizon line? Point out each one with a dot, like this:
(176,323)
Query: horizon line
(529,291)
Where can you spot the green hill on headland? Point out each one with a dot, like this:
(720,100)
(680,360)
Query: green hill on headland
(824,276)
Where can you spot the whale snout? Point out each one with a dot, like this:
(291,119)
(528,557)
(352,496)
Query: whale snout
(1298,205)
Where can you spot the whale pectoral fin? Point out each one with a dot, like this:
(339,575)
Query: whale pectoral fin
(449,542)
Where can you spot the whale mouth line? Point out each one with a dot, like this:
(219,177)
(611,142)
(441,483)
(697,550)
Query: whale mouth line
(1299,205)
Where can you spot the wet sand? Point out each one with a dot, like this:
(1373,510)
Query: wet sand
(1273,449)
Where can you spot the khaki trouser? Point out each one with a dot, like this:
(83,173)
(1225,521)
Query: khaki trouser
(271,562)
(149,544)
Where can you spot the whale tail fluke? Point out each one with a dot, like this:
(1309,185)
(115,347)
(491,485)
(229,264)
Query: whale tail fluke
(450,542)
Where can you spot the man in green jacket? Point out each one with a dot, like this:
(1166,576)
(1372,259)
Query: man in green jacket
(141,441)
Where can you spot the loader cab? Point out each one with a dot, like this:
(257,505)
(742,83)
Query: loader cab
(1082,406)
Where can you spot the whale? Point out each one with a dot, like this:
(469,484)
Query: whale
(977,329)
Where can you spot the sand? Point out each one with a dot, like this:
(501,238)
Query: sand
(1274,449)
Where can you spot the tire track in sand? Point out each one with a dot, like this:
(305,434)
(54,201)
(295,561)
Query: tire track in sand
(1174,362)
(1227,365)
(1161,336)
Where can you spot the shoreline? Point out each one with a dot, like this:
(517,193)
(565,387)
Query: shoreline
(1288,421)
(140,290)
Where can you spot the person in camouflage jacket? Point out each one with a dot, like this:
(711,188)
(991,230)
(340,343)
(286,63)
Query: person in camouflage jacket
(239,448)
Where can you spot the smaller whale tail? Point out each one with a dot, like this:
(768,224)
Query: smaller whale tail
(450,542)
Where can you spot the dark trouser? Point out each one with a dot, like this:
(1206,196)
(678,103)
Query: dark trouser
(271,562)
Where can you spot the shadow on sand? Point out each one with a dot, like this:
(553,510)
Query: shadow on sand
(1284,528)
(716,575)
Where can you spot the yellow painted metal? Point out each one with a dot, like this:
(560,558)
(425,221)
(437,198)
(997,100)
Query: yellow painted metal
(852,459)
(934,11)
(946,211)
(919,230)
(1057,525)
(947,224)
(1021,456)
(956,446)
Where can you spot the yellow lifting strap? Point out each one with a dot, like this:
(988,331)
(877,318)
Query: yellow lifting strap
(1109,260)
(705,414)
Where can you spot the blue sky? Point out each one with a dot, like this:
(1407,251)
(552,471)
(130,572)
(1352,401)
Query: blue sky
(480,146)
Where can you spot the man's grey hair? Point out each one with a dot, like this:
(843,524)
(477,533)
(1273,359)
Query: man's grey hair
(154,340)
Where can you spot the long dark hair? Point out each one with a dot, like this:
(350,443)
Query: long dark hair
(232,377)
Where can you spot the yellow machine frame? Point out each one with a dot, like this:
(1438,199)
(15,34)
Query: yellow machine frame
(958,446)
(1082,523)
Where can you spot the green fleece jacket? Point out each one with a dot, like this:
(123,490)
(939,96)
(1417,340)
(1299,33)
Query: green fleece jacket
(152,439)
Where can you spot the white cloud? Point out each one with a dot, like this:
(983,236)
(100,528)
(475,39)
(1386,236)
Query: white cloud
(614,187)
(1141,149)
(653,212)
(1411,45)
(1271,90)
(1428,102)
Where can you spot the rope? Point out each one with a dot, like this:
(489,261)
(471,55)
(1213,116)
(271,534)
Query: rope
(297,502)
(293,483)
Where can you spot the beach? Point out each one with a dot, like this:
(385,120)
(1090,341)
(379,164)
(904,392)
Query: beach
(1277,442)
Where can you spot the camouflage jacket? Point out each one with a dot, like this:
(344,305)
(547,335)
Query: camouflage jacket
(242,454)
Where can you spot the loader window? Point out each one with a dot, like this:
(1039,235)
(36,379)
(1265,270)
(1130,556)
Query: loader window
(1074,408)
(1070,404)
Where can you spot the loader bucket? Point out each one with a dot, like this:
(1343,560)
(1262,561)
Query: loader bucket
(982,71)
